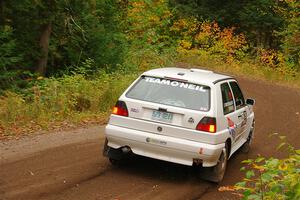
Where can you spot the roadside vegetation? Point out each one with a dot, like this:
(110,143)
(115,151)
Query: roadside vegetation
(270,178)
(64,63)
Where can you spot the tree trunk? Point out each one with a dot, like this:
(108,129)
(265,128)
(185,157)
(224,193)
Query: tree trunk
(44,45)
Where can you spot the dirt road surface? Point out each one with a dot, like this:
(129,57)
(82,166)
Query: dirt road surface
(69,165)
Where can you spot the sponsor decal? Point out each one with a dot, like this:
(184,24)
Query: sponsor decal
(191,120)
(159,129)
(229,103)
(176,84)
(203,109)
(231,128)
(134,110)
(155,141)
(244,122)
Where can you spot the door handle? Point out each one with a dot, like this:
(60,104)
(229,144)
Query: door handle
(242,114)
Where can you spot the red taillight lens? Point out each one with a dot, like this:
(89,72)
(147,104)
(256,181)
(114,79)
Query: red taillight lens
(120,109)
(207,124)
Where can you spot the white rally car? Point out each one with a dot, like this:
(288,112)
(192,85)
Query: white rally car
(185,116)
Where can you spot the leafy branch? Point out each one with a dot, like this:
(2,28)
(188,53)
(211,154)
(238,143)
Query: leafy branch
(270,178)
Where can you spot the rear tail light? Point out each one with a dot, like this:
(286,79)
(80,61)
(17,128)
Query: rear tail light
(207,124)
(120,109)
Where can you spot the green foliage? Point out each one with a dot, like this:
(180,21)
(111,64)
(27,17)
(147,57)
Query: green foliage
(291,32)
(148,33)
(70,99)
(269,25)
(208,40)
(90,31)
(272,178)
(251,17)
(8,58)
(80,30)
(224,13)
(259,20)
(27,25)
(7,48)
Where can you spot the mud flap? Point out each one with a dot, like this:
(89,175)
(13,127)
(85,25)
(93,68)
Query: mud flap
(215,174)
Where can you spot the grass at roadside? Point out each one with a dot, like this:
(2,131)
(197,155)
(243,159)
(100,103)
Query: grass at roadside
(57,103)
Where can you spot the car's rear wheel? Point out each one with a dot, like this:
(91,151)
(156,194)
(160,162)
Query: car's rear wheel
(218,171)
(114,161)
(105,148)
(115,156)
(247,145)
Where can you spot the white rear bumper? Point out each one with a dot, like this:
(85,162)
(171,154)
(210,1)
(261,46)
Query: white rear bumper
(162,147)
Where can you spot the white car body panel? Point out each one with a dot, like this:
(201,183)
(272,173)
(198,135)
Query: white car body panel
(162,147)
(169,130)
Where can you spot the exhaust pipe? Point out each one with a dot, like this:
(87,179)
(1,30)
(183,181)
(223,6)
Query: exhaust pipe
(197,161)
(126,149)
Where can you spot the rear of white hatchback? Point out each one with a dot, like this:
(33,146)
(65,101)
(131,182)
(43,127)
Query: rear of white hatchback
(181,116)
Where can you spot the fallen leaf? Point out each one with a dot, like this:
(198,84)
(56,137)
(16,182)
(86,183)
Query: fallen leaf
(226,188)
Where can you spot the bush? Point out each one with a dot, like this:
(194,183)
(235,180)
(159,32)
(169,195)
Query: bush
(271,178)
(8,58)
(206,39)
(69,99)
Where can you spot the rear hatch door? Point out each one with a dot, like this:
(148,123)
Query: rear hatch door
(166,106)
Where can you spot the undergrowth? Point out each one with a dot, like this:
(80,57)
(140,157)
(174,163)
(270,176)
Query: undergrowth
(59,102)
(270,178)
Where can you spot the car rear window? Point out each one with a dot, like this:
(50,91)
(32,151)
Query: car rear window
(171,92)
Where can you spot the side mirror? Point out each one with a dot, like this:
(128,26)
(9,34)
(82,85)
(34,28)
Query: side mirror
(250,102)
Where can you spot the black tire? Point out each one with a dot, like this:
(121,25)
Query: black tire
(247,145)
(116,156)
(114,162)
(107,152)
(105,148)
(218,171)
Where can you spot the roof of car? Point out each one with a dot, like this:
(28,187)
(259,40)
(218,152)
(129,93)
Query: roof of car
(192,75)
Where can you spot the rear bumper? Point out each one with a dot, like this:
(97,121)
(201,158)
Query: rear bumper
(162,147)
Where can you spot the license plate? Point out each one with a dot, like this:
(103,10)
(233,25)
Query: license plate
(162,116)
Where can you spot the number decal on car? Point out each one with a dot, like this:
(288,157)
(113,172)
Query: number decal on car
(231,128)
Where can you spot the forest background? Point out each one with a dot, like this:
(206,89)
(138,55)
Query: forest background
(63,63)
